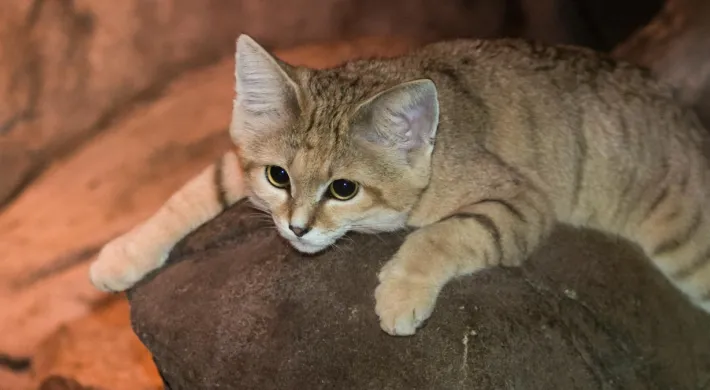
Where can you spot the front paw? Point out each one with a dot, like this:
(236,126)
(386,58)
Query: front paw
(403,303)
(121,265)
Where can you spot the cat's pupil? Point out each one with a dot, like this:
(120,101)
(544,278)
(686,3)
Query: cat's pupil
(343,189)
(277,176)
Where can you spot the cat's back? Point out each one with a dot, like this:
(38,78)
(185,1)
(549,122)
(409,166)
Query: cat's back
(510,84)
(518,66)
(561,85)
(565,68)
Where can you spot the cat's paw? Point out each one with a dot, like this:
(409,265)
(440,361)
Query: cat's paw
(121,265)
(403,303)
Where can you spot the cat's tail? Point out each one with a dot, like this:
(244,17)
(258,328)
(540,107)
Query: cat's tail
(674,231)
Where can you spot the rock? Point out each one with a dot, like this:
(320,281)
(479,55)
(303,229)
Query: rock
(240,309)
(97,351)
(58,223)
(67,67)
(56,382)
(18,166)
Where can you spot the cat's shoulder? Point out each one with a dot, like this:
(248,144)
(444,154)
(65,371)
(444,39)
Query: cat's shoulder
(529,58)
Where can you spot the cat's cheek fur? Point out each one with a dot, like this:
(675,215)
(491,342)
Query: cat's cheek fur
(380,220)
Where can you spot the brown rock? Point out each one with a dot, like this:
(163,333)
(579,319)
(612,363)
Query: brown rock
(240,309)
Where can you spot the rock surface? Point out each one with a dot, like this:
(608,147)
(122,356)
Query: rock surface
(240,309)
(98,351)
(68,67)
(56,382)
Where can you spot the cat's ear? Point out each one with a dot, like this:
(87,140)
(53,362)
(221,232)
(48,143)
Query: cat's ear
(403,118)
(267,97)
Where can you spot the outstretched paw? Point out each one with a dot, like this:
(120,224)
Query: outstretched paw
(403,303)
(119,266)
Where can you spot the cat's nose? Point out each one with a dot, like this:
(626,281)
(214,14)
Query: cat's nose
(298,231)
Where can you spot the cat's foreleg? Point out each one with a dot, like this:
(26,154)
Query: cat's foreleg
(490,232)
(128,258)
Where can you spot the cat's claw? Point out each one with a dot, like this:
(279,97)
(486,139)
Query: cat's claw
(119,266)
(402,303)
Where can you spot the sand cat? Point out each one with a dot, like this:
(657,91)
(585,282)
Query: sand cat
(481,145)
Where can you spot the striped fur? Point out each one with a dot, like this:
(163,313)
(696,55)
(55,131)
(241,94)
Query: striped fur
(481,145)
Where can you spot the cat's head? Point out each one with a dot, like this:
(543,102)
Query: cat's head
(326,151)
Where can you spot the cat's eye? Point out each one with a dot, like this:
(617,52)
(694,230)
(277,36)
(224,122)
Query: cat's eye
(277,176)
(342,189)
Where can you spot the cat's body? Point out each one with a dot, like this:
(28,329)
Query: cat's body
(525,135)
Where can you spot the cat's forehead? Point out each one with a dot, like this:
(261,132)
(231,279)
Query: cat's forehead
(338,85)
(319,143)
(322,155)
(329,98)
(319,154)
(310,167)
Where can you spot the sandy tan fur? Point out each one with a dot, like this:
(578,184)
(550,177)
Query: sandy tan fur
(522,136)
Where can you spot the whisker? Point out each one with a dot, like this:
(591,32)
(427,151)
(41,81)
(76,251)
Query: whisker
(337,248)
(379,237)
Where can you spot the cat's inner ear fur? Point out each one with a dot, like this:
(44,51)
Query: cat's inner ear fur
(267,97)
(403,118)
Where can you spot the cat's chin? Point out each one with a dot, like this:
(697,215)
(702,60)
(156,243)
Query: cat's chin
(307,248)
